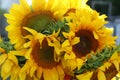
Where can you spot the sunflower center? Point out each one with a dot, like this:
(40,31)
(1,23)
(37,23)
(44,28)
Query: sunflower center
(38,21)
(87,43)
(44,56)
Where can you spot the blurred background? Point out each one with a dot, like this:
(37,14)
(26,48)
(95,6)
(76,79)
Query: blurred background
(109,7)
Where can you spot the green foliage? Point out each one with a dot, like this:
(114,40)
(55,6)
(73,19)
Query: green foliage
(21,60)
(96,60)
(6,45)
(55,26)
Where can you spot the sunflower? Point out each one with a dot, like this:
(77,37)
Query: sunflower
(92,33)
(9,66)
(41,53)
(8,62)
(38,16)
(84,37)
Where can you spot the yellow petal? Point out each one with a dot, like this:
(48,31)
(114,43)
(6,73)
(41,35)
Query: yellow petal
(49,42)
(85,76)
(30,37)
(69,56)
(66,43)
(75,40)
(54,3)
(34,77)
(30,30)
(6,69)
(109,30)
(114,56)
(50,74)
(38,4)
(69,65)
(54,74)
(60,72)
(67,49)
(57,47)
(47,74)
(15,73)
(65,34)
(69,35)
(22,75)
(2,50)
(101,75)
(27,44)
(26,66)
(13,58)
(39,72)
(32,70)
(19,53)
(80,62)
(105,66)
(95,35)
(40,36)
(116,63)
(28,54)
(3,57)
(56,33)
(25,6)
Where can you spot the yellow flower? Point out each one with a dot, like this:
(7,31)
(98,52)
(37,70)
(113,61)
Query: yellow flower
(41,53)
(93,36)
(37,16)
(9,66)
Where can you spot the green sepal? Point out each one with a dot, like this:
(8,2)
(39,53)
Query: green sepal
(6,45)
(96,60)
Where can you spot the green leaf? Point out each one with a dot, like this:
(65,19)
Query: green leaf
(96,60)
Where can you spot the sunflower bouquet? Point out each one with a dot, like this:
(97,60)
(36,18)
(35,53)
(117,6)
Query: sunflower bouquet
(58,40)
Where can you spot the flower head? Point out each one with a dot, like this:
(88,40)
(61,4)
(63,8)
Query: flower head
(92,33)
(38,16)
(41,54)
(9,66)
